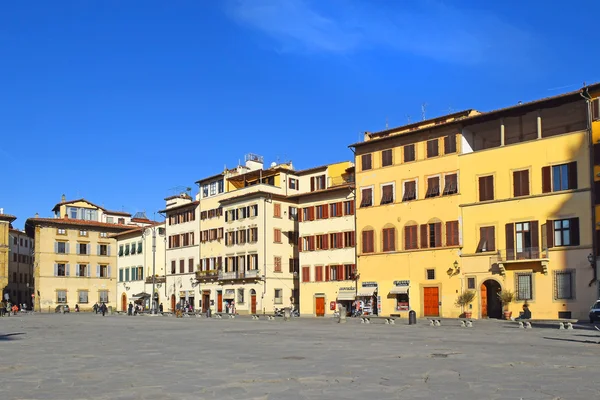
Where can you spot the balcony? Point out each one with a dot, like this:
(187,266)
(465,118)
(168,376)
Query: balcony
(515,258)
(339,180)
(157,279)
(208,274)
(233,275)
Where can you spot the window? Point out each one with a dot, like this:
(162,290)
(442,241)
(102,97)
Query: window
(487,239)
(452,238)
(386,158)
(293,265)
(410,237)
(277,210)
(103,235)
(293,213)
(103,271)
(83,233)
(435,235)
(277,263)
(61,231)
(173,266)
(566,232)
(433,148)
(563,285)
(366,162)
(103,296)
(190,265)
(319,273)
(305,274)
(293,183)
(524,287)
(521,183)
(121,250)
(134,247)
(83,296)
(140,246)
(127,274)
(322,211)
(349,207)
(409,153)
(82,248)
(564,177)
(220,186)
(367,241)
(277,235)
(366,197)
(72,212)
(181,266)
(349,239)
(317,183)
(61,296)
(349,271)
(240,296)
(82,270)
(278,296)
(389,239)
(450,184)
(450,144)
(595,109)
(410,191)
(61,248)
(110,220)
(430,274)
(486,188)
(387,193)
(103,249)
(433,187)
(471,283)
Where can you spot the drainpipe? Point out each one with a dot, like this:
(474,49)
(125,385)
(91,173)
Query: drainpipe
(588,99)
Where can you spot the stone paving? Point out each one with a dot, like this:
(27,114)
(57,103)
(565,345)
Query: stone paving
(79,356)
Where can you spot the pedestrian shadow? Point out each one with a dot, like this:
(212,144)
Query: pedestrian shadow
(572,340)
(10,336)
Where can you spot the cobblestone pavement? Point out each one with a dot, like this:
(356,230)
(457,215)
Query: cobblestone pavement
(80,356)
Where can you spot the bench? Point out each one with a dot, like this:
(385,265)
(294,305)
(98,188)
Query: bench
(366,319)
(464,322)
(562,323)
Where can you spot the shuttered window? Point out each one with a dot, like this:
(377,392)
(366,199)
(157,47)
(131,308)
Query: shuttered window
(305,274)
(319,273)
(450,144)
(410,237)
(450,184)
(562,232)
(386,158)
(559,177)
(368,242)
(521,183)
(452,233)
(366,162)
(410,191)
(486,188)
(433,187)
(387,194)
(435,234)
(366,197)
(487,239)
(433,148)
(409,153)
(389,239)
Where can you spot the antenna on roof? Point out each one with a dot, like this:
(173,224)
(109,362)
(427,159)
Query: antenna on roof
(423,110)
(386,123)
(450,110)
(408,118)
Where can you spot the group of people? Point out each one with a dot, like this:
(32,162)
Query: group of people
(138,308)
(97,308)
(7,308)
(180,309)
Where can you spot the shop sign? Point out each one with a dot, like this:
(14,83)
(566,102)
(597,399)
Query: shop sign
(229,291)
(332,305)
(347,289)
(402,283)
(369,284)
(182,294)
(190,293)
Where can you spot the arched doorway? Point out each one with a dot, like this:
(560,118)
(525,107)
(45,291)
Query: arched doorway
(491,306)
(124,302)
(252,301)
(172,302)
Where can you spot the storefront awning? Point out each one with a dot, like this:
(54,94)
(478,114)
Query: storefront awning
(366,292)
(399,290)
(346,295)
(142,295)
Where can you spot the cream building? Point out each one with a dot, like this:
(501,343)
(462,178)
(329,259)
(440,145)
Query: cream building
(181,256)
(5,226)
(136,264)
(327,239)
(75,256)
(20,268)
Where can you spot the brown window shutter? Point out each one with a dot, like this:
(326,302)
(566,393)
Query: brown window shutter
(482,191)
(448,234)
(595,109)
(597,154)
(340,239)
(299,214)
(510,241)
(482,238)
(437,227)
(424,237)
(312,183)
(489,186)
(407,243)
(325,211)
(574,231)
(324,242)
(351,207)
(535,238)
(299,244)
(572,171)
(491,238)
(546,180)
(311,213)
(392,239)
(525,183)
(365,238)
(517,183)
(340,273)
(327,268)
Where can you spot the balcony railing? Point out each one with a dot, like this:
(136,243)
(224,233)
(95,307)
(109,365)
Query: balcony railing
(254,273)
(157,279)
(339,180)
(524,254)
(210,273)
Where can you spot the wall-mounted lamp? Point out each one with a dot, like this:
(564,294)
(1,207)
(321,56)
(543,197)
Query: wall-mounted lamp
(591,259)
(453,271)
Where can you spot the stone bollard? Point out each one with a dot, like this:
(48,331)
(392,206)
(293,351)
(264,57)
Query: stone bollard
(342,317)
(287,314)
(412,317)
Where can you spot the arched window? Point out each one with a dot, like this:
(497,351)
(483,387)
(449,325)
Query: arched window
(388,237)
(368,240)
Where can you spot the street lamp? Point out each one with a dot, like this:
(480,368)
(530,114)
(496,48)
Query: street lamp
(145,233)
(591,259)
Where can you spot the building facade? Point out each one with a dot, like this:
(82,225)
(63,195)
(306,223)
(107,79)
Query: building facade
(489,202)
(327,243)
(5,226)
(20,268)
(74,256)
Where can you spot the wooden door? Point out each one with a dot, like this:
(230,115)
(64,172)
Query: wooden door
(484,305)
(320,306)
(124,302)
(205,302)
(219,301)
(253,304)
(173,302)
(431,302)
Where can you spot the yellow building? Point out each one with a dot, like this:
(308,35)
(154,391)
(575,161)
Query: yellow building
(326,247)
(593,95)
(479,201)
(5,226)
(75,255)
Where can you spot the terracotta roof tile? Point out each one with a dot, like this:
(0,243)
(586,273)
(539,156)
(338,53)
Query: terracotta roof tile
(77,222)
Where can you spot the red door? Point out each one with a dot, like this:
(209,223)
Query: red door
(431,301)
(320,306)
(253,304)
(484,310)
(173,302)
(124,302)
(205,301)
(219,301)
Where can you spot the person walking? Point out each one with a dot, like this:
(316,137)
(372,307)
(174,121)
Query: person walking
(130,309)
(103,309)
(160,308)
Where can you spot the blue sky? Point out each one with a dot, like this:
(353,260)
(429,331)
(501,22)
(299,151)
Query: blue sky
(123,101)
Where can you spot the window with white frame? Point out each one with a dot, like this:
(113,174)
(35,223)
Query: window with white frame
(83,296)
(61,296)
(278,296)
(103,296)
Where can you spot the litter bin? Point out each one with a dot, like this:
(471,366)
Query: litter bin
(412,317)
(342,317)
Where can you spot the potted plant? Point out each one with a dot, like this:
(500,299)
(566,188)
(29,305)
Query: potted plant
(506,297)
(464,300)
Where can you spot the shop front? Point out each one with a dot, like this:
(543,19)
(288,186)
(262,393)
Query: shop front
(400,293)
(368,301)
(346,297)
(229,301)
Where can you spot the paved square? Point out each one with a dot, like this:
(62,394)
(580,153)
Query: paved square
(81,356)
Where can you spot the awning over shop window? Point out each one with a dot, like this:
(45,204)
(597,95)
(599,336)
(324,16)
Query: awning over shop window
(399,290)
(366,292)
(142,295)
(346,295)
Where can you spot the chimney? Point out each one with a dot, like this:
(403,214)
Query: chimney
(63,198)
(37,215)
